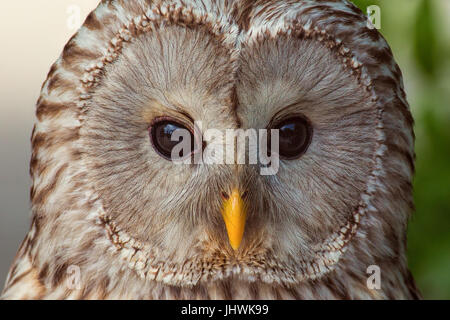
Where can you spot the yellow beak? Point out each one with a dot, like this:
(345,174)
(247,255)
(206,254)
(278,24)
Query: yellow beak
(234,215)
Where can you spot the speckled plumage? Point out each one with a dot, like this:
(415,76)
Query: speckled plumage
(102,200)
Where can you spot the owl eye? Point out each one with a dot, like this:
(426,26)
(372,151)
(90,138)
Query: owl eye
(295,136)
(161,133)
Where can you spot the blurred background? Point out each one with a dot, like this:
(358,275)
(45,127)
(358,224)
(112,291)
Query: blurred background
(33,33)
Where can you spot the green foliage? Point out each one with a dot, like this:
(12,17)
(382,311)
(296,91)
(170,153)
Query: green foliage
(429,236)
(425,39)
(363,4)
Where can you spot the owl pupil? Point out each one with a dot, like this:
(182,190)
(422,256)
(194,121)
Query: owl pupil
(161,136)
(295,136)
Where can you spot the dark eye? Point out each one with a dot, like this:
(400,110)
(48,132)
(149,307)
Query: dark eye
(295,136)
(161,133)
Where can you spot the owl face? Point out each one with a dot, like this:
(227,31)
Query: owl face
(181,76)
(137,71)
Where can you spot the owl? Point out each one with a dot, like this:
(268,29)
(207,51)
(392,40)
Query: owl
(115,217)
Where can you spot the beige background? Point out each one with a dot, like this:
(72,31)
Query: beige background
(32,35)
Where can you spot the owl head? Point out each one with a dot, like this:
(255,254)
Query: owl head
(107,193)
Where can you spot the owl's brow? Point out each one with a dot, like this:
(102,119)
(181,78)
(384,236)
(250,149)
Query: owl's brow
(183,112)
(171,107)
(290,108)
(177,107)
